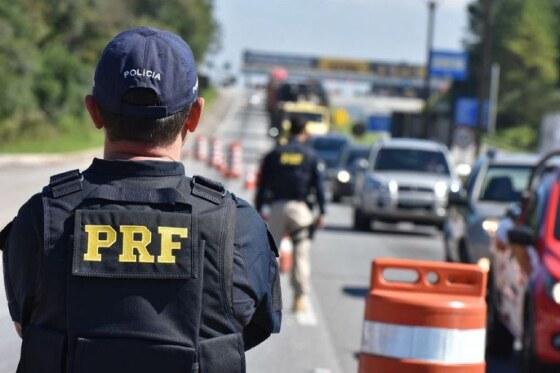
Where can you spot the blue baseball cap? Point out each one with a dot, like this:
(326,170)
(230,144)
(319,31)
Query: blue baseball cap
(146,58)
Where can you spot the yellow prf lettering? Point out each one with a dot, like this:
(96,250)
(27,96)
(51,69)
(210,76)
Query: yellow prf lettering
(135,250)
(94,241)
(291,159)
(167,243)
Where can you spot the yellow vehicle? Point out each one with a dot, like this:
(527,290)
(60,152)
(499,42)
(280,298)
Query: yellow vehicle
(317,118)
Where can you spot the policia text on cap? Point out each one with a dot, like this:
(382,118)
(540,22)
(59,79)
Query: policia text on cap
(131,266)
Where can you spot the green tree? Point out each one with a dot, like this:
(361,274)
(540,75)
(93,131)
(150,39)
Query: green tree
(525,44)
(48,51)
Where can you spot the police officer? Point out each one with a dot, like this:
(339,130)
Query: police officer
(131,266)
(289,176)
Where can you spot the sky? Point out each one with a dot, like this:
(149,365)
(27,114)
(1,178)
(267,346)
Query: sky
(383,30)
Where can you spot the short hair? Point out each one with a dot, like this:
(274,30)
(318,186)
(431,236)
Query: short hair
(149,131)
(297,126)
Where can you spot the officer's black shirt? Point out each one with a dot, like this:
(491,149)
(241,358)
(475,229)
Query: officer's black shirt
(290,172)
(254,269)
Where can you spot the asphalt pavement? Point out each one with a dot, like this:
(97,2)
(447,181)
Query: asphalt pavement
(324,340)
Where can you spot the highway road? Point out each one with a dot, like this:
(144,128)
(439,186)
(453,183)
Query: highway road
(324,340)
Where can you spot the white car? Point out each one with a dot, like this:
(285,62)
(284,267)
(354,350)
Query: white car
(406,180)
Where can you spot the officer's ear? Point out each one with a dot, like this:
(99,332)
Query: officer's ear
(94,112)
(192,120)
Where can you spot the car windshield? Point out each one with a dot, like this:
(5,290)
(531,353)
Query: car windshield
(353,155)
(307,117)
(504,183)
(415,160)
(329,150)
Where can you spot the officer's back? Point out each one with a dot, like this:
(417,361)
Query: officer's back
(131,266)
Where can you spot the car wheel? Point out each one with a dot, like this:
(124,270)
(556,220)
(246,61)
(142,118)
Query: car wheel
(499,340)
(464,256)
(361,221)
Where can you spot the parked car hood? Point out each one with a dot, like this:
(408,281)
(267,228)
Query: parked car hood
(491,209)
(417,179)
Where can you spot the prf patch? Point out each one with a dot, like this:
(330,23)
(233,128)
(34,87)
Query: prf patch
(132,244)
(291,159)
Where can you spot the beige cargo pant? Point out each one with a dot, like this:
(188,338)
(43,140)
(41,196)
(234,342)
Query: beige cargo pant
(287,217)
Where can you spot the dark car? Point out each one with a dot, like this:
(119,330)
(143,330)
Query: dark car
(497,181)
(329,148)
(353,158)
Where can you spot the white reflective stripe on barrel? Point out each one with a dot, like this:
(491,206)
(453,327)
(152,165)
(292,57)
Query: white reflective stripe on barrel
(438,345)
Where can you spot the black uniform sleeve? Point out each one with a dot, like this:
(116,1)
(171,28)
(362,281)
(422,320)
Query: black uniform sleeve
(317,182)
(256,293)
(21,258)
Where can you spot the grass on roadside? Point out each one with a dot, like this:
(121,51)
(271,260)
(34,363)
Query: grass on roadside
(72,137)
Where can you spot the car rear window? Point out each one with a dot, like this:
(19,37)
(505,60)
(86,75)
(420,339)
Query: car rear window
(416,160)
(504,183)
(353,155)
(329,150)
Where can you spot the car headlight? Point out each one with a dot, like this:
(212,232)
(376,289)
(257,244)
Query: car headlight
(552,287)
(393,187)
(484,263)
(463,169)
(440,189)
(455,186)
(343,176)
(490,226)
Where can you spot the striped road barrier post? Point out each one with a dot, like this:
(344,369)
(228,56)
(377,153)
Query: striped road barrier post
(216,158)
(251,178)
(201,148)
(286,255)
(234,160)
(432,322)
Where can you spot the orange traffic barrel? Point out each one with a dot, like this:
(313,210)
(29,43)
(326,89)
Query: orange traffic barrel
(424,317)
(234,160)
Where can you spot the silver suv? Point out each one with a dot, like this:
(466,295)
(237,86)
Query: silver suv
(406,180)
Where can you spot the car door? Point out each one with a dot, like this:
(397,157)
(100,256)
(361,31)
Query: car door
(515,276)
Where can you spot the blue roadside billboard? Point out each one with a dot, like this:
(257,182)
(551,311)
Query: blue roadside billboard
(466,112)
(449,64)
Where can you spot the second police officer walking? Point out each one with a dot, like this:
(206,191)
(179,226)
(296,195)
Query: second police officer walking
(291,182)
(131,266)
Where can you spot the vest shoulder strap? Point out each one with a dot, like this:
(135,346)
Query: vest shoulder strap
(65,183)
(207,189)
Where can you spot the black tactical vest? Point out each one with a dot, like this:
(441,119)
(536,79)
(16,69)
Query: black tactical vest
(134,280)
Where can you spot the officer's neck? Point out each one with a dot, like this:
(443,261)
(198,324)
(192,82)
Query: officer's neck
(134,151)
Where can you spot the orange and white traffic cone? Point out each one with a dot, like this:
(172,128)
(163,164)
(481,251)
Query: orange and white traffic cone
(234,160)
(216,158)
(250,182)
(201,148)
(286,259)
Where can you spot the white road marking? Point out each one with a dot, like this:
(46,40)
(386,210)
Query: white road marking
(307,318)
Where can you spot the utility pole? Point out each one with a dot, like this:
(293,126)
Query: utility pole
(483,79)
(428,76)
(494,92)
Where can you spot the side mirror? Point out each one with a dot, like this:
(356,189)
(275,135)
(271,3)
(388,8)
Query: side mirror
(362,164)
(514,211)
(459,198)
(522,235)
